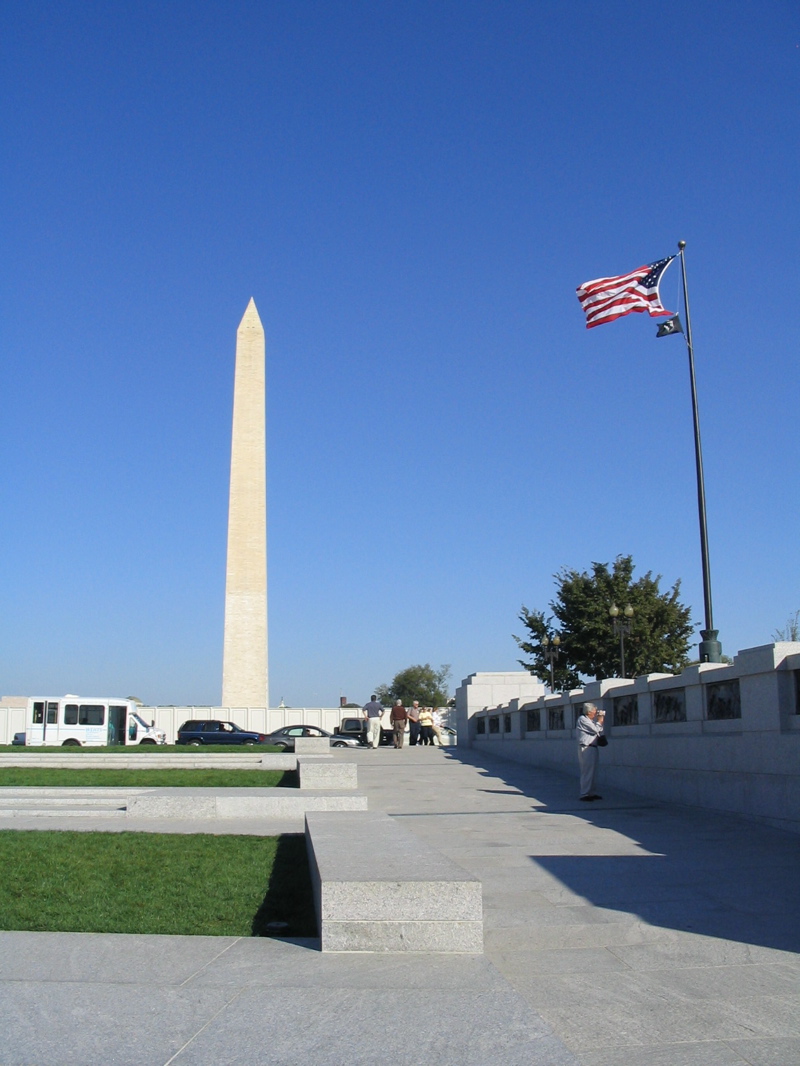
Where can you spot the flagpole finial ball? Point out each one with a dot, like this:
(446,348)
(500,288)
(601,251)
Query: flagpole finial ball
(681,245)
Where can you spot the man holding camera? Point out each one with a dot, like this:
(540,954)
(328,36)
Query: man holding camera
(589,728)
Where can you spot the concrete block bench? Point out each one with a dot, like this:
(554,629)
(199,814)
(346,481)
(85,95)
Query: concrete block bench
(278,761)
(312,746)
(331,775)
(379,888)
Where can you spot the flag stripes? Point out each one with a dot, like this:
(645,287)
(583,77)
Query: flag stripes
(606,299)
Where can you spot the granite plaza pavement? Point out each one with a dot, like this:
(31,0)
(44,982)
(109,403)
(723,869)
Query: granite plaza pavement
(618,933)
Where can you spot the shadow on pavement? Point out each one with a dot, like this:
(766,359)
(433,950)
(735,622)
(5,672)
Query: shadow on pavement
(686,868)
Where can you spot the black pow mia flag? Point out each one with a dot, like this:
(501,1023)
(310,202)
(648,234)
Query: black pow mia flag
(672,325)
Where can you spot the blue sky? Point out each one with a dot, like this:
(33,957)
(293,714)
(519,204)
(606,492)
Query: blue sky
(411,192)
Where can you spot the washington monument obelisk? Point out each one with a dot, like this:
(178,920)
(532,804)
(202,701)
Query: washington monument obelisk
(245,679)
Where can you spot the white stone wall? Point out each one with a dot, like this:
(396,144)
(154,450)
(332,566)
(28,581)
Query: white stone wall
(259,719)
(170,719)
(487,689)
(748,765)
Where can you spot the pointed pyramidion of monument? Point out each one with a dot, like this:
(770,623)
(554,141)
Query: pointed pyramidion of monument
(250,318)
(245,679)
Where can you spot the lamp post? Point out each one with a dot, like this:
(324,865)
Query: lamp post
(622,629)
(551,650)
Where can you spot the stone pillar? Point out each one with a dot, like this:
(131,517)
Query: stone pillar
(245,681)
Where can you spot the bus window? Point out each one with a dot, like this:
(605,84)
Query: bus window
(52,713)
(38,713)
(71,714)
(91,714)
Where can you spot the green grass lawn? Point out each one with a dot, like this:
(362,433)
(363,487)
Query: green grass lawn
(47,777)
(147,749)
(196,884)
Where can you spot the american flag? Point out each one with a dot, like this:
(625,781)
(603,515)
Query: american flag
(605,299)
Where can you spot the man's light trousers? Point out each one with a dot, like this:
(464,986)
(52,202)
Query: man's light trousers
(373,731)
(587,760)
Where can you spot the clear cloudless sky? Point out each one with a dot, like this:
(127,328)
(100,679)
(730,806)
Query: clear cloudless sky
(411,191)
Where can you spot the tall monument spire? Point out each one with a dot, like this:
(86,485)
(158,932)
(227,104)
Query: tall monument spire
(245,679)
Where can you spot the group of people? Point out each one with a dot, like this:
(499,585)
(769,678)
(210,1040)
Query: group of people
(424,724)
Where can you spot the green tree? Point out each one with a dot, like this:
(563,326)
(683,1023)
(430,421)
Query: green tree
(661,626)
(539,627)
(421,683)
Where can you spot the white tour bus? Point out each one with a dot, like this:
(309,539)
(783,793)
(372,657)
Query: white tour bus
(90,720)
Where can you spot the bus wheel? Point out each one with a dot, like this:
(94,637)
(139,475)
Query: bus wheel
(71,743)
(147,740)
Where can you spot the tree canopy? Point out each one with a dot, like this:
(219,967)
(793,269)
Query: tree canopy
(419,682)
(660,628)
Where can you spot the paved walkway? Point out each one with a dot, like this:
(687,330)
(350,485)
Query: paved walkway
(619,933)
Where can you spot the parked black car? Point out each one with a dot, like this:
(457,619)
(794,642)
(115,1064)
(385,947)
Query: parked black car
(214,732)
(356,729)
(285,738)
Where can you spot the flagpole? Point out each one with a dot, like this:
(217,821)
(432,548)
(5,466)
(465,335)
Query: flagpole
(710,647)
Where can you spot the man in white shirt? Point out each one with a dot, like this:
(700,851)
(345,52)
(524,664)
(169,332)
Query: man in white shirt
(589,727)
(372,713)
(437,725)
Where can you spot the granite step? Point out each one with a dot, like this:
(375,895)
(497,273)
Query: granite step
(177,803)
(87,802)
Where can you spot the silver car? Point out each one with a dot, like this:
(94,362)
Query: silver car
(285,738)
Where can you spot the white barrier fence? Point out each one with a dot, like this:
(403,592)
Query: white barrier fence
(257,719)
(170,719)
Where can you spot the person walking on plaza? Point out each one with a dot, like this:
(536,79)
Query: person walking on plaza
(372,714)
(426,725)
(589,728)
(437,726)
(398,718)
(413,724)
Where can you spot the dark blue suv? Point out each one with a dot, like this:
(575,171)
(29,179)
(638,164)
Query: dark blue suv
(214,732)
